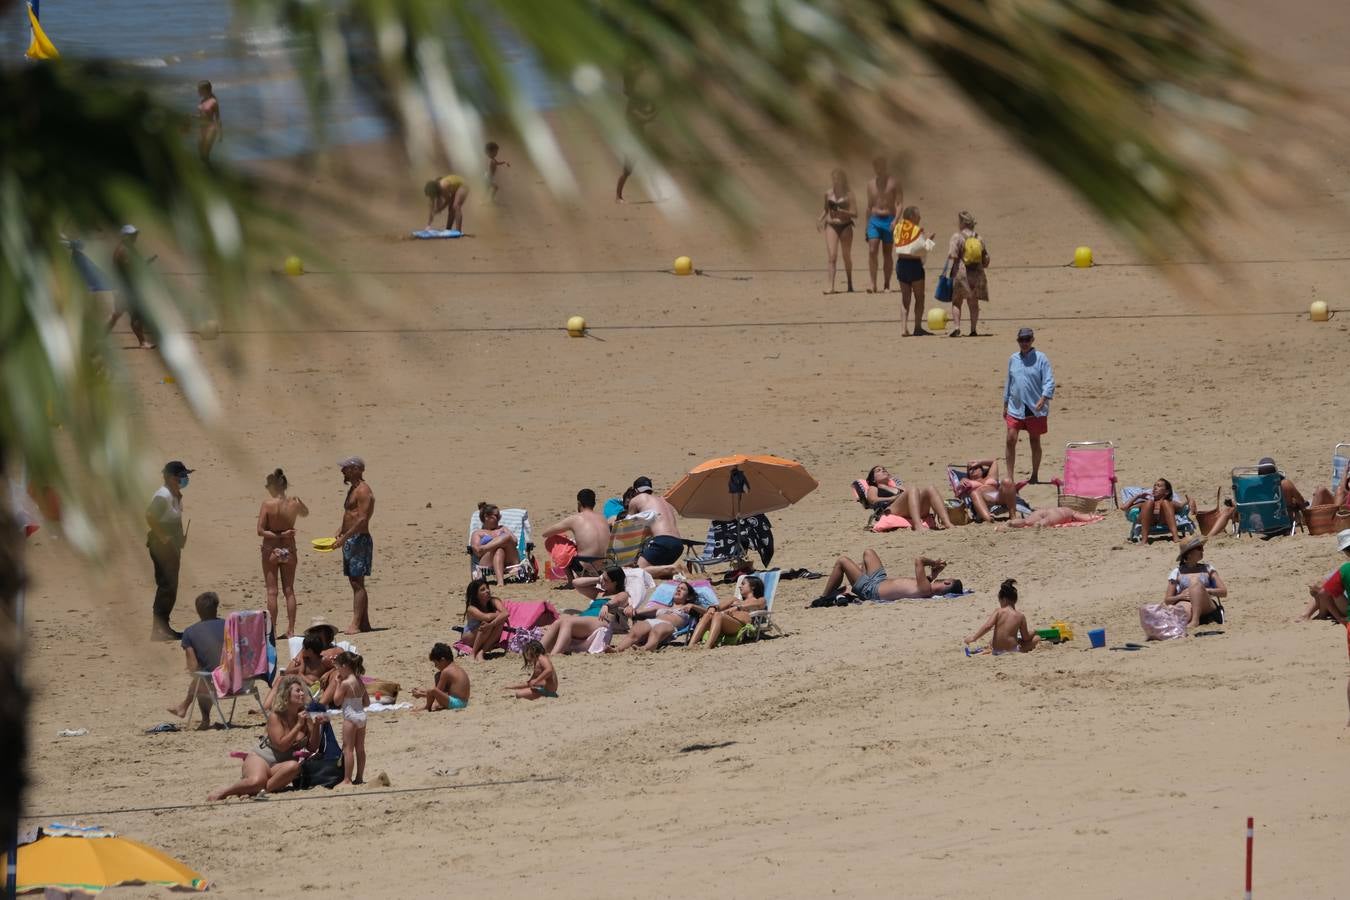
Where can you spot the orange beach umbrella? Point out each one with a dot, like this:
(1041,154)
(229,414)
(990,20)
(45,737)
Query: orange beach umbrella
(732,487)
(98,862)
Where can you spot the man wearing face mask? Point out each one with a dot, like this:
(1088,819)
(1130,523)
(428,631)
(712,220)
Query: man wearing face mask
(165,541)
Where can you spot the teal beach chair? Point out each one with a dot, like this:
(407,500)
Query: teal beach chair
(1260,503)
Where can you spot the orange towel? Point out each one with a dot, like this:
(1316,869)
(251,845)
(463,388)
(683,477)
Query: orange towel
(906,232)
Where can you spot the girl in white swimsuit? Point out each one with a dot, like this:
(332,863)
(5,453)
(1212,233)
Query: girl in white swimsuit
(352,694)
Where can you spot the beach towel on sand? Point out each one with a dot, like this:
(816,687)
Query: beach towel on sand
(1095,520)
(244,653)
(432,234)
(892,522)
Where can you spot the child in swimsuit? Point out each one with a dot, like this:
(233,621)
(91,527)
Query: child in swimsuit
(543,677)
(1012,634)
(351,694)
(451,690)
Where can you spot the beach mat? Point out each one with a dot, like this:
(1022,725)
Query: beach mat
(434,234)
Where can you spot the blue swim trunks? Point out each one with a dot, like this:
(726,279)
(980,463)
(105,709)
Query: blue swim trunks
(662,550)
(456,703)
(881,227)
(544,692)
(867,584)
(358,551)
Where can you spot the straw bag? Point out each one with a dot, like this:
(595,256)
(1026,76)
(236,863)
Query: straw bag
(1326,518)
(1079,504)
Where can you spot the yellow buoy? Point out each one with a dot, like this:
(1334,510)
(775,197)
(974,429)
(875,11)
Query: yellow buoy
(937,319)
(294,266)
(1082,257)
(1318,312)
(209,330)
(576,326)
(684,265)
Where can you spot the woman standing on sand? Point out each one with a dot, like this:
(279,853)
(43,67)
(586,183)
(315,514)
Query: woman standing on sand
(276,527)
(837,222)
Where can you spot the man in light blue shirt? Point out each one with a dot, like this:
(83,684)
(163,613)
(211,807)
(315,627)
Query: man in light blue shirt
(1026,400)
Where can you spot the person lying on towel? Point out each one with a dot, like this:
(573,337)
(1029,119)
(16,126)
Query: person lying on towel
(870,581)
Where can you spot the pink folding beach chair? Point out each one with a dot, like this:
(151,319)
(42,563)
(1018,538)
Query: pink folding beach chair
(1089,474)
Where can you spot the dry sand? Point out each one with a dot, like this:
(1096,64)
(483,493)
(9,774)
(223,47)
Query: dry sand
(861,754)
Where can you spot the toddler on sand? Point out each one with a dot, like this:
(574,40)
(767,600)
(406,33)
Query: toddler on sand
(1012,634)
(451,690)
(543,679)
(351,694)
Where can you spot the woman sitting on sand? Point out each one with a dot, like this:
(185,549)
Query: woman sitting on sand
(657,624)
(1195,586)
(884,492)
(986,489)
(276,527)
(271,765)
(484,618)
(620,589)
(494,545)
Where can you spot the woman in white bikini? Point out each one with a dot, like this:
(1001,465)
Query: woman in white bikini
(654,624)
(276,527)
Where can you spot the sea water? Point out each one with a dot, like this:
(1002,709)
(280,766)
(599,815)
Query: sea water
(176,43)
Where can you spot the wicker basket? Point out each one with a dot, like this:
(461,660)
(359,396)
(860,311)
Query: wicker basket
(1079,504)
(957,512)
(1327,518)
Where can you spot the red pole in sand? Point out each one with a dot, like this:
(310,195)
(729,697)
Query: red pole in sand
(1248,894)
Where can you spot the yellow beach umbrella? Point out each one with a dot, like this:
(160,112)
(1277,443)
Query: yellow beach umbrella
(95,863)
(732,487)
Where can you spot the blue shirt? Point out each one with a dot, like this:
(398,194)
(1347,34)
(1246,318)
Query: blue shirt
(206,638)
(1029,379)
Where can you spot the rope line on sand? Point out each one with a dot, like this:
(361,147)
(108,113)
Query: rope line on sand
(327,795)
(541,329)
(712,273)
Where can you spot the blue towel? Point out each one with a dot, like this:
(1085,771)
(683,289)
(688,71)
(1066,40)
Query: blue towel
(431,234)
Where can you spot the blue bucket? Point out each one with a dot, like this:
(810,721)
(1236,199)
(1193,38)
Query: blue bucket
(1098,638)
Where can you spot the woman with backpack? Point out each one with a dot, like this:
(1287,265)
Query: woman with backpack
(967,258)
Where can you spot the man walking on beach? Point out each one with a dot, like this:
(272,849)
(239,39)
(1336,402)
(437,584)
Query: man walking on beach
(358,548)
(883,199)
(1026,400)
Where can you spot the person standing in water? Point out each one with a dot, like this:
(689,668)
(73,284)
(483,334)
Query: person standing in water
(276,527)
(208,110)
(358,547)
(837,222)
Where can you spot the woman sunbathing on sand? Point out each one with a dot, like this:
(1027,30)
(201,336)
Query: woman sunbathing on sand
(728,618)
(1159,505)
(484,618)
(986,489)
(1045,518)
(911,503)
(272,766)
(655,624)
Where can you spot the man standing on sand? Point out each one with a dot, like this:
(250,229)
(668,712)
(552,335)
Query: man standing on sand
(358,548)
(590,533)
(1026,400)
(165,541)
(883,199)
(665,547)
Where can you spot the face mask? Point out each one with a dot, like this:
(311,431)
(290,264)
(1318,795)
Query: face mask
(182,482)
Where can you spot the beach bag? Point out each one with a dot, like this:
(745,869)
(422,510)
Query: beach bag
(522,636)
(943,291)
(319,771)
(1162,622)
(972,253)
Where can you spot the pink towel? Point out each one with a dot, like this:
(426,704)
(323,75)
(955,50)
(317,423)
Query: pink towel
(892,522)
(1095,519)
(244,653)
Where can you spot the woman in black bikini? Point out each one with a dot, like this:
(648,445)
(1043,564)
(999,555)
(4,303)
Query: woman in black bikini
(837,222)
(913,504)
(276,527)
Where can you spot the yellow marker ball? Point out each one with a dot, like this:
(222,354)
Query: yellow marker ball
(1318,312)
(937,319)
(294,266)
(209,330)
(1082,257)
(684,266)
(576,326)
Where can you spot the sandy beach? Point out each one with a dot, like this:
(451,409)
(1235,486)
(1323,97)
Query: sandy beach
(862,753)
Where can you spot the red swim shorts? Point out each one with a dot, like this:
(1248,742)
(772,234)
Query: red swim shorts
(1036,425)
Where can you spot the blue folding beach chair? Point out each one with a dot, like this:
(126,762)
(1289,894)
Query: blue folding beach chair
(706,598)
(1261,509)
(1340,461)
(1158,530)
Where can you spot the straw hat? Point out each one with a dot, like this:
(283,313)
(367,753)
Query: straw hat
(1192,544)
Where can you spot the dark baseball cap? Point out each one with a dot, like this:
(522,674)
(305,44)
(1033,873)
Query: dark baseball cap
(642,484)
(1266,466)
(176,468)
(1025,334)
